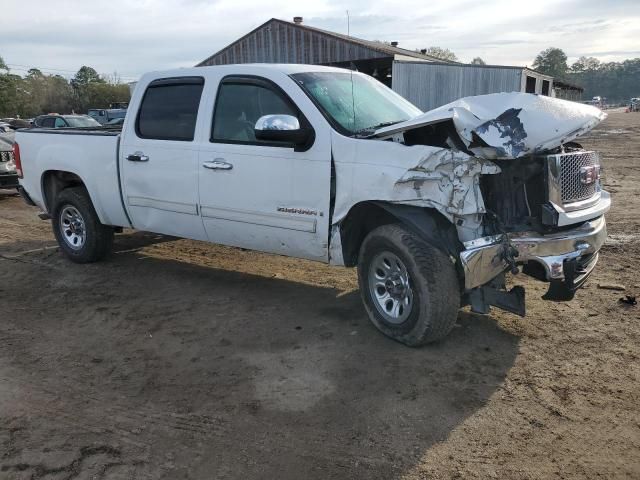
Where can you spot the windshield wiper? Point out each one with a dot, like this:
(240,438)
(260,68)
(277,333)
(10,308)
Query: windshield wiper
(373,128)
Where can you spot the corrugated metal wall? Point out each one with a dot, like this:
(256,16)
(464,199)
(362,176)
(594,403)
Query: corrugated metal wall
(278,42)
(430,85)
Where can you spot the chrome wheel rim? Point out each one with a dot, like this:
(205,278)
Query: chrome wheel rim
(390,287)
(72,227)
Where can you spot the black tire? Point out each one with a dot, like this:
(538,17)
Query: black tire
(98,238)
(433,281)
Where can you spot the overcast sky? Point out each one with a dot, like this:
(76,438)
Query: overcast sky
(134,36)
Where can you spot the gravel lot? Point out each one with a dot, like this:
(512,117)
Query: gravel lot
(180,360)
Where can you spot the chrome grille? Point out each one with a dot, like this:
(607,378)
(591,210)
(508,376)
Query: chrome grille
(6,156)
(571,188)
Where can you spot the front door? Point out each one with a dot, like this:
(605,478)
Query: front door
(260,195)
(159,159)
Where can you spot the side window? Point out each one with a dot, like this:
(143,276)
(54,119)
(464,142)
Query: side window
(60,123)
(169,109)
(240,105)
(48,122)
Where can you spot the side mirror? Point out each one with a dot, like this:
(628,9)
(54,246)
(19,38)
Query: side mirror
(282,128)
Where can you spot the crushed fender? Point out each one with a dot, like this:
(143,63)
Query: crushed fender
(453,180)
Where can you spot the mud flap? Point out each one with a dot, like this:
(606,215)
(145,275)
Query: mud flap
(482,298)
(559,292)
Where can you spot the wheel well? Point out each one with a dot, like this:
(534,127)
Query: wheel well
(425,222)
(361,219)
(54,181)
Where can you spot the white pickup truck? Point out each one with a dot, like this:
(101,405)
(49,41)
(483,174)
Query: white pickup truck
(330,165)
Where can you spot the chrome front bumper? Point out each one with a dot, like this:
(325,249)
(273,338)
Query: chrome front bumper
(485,258)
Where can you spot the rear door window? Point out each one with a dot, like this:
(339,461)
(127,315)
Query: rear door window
(47,122)
(169,109)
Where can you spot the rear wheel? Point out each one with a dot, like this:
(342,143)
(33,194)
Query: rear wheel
(77,227)
(409,288)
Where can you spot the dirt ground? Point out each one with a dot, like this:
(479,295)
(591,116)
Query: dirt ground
(180,360)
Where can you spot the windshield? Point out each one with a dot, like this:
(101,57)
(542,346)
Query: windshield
(358,107)
(81,122)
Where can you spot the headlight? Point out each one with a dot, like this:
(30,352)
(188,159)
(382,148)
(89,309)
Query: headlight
(7,167)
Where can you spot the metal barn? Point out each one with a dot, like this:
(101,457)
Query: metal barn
(430,85)
(567,91)
(279,41)
(424,80)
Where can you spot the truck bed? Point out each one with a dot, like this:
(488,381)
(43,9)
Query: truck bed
(92,153)
(104,131)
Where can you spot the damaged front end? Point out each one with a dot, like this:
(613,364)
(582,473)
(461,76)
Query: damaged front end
(521,193)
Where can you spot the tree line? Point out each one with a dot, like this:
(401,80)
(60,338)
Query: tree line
(615,81)
(38,93)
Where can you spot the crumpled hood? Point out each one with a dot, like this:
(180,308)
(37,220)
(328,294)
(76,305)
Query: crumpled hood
(508,125)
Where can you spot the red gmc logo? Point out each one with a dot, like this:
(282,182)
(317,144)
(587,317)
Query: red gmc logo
(590,174)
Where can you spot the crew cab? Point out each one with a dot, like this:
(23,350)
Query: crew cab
(326,164)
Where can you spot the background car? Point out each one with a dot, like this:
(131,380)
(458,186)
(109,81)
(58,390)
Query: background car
(17,123)
(8,174)
(65,121)
(104,116)
(116,122)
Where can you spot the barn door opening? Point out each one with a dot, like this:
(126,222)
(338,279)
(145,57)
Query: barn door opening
(531,85)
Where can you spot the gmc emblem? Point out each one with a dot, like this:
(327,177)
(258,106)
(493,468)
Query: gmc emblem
(590,174)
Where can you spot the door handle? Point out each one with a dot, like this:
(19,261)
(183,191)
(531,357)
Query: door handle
(217,164)
(138,157)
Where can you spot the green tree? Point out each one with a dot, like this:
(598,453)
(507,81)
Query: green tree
(35,73)
(552,61)
(12,95)
(39,93)
(100,95)
(585,64)
(442,54)
(85,76)
(478,61)
(85,83)
(58,95)
(616,81)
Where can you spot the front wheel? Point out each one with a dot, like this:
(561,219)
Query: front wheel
(409,288)
(77,227)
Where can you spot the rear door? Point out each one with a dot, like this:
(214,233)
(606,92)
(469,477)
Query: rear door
(265,196)
(159,159)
